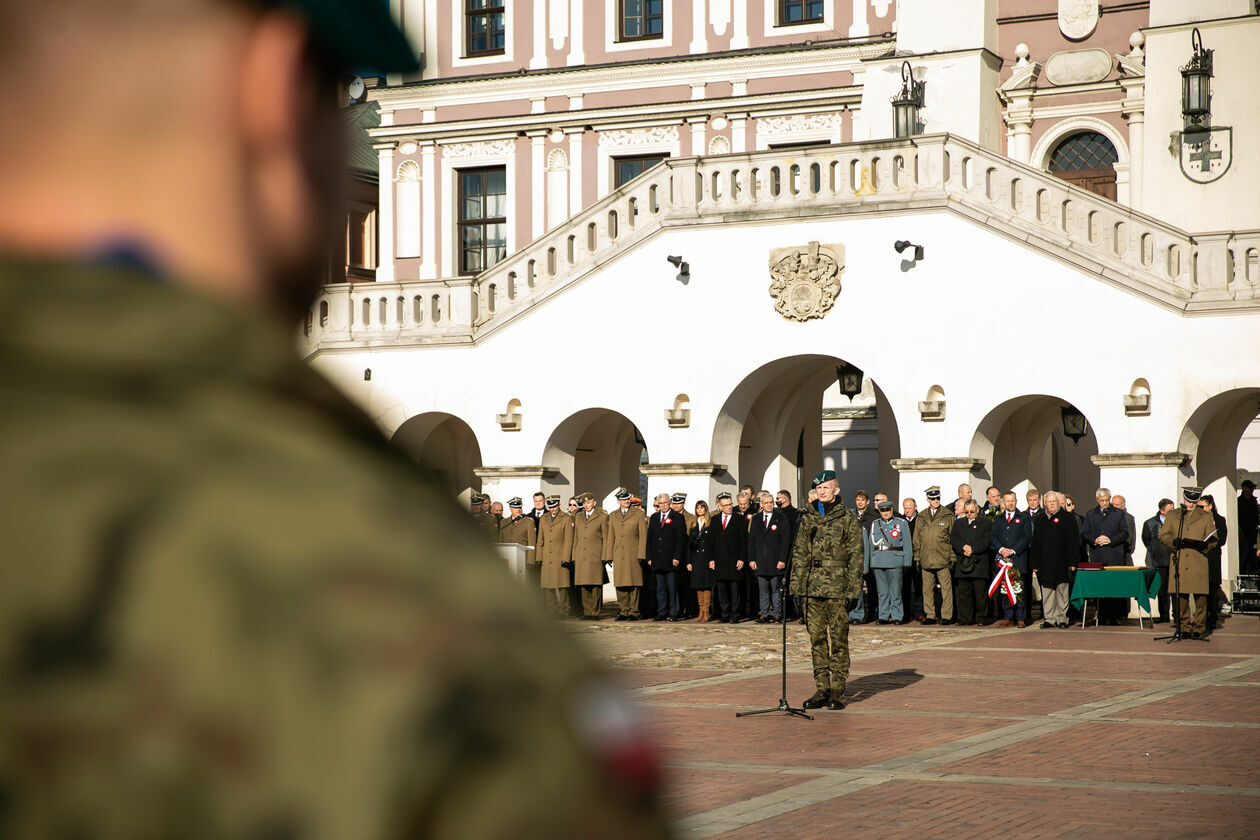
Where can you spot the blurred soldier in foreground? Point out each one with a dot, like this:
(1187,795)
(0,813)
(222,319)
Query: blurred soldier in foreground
(827,572)
(230,608)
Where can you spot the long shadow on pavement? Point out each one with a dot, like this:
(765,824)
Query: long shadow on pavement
(863,688)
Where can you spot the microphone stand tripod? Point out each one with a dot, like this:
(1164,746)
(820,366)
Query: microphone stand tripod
(783,706)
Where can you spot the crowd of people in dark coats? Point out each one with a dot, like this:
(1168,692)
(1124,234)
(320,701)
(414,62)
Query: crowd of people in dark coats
(974,562)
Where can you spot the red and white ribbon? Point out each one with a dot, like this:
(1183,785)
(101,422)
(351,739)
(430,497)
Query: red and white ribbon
(1003,577)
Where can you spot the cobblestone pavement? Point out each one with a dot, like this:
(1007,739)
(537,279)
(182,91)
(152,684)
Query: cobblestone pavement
(952,732)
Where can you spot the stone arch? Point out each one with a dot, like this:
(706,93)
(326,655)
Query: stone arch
(447,445)
(769,432)
(1022,445)
(595,450)
(1210,437)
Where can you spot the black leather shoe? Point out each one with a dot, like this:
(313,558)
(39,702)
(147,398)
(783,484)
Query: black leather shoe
(946,621)
(1046,625)
(622,618)
(821,698)
(928,621)
(733,621)
(659,618)
(837,701)
(883,621)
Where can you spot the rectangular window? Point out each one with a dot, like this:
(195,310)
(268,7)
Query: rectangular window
(628,168)
(800,11)
(483,27)
(482,218)
(360,237)
(641,19)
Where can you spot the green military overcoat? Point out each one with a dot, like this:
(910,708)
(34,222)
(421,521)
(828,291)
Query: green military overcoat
(589,535)
(626,546)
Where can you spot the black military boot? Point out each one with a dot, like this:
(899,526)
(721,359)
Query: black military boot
(818,700)
(837,701)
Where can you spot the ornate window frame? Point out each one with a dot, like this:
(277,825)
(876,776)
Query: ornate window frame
(1040,156)
(662,139)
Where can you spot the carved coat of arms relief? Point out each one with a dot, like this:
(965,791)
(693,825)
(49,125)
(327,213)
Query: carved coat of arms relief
(804,282)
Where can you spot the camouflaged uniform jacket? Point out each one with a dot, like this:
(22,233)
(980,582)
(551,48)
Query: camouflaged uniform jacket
(231,609)
(827,555)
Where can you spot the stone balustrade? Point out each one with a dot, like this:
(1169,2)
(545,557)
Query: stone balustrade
(1119,245)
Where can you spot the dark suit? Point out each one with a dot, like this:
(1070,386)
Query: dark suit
(1015,534)
(972,573)
(666,553)
(1055,550)
(1158,557)
(727,551)
(912,582)
(768,546)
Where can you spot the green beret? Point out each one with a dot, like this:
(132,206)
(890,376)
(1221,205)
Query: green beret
(825,475)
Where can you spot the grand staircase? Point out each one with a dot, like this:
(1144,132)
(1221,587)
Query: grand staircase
(1184,272)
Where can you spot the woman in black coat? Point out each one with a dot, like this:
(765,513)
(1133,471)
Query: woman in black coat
(973,567)
(1055,553)
(698,562)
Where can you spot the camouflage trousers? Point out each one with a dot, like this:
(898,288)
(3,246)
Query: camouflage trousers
(827,621)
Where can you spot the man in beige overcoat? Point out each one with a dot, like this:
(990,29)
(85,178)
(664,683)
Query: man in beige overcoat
(1190,543)
(625,548)
(555,553)
(590,532)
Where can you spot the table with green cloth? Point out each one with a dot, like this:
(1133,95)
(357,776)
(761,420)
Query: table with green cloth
(1130,582)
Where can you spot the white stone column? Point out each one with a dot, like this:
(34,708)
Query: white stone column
(385,213)
(430,195)
(576,24)
(539,59)
(537,180)
(575,170)
(1019,128)
(698,125)
(1134,112)
(739,133)
(739,30)
(699,27)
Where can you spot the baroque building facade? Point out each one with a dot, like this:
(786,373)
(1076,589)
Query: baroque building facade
(631,243)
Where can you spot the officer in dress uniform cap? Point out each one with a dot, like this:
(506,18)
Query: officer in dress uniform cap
(722,495)
(622,495)
(553,502)
(934,492)
(678,499)
(884,504)
(515,502)
(825,475)
(1191,494)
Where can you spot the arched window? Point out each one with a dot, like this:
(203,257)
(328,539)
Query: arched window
(1086,159)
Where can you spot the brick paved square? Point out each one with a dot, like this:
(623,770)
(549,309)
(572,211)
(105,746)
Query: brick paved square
(831,740)
(917,810)
(689,791)
(632,678)
(908,690)
(1223,703)
(1114,752)
(995,662)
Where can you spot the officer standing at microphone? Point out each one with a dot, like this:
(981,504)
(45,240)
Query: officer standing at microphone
(827,575)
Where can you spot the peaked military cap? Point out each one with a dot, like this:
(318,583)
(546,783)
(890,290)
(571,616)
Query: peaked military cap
(553,501)
(622,495)
(678,498)
(885,504)
(514,502)
(1192,494)
(585,496)
(722,495)
(476,498)
(934,492)
(825,475)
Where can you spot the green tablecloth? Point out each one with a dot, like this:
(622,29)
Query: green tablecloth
(1138,582)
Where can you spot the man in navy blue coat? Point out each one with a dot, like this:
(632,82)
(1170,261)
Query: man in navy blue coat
(666,552)
(769,547)
(1012,536)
